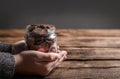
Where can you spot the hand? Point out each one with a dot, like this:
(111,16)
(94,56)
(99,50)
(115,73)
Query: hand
(35,62)
(19,47)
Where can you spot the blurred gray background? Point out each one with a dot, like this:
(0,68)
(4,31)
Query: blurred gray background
(73,14)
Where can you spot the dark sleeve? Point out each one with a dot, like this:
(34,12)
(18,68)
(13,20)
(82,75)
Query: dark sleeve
(7,61)
(5,47)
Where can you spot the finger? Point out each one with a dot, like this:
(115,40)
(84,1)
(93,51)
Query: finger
(58,51)
(59,55)
(58,47)
(64,53)
(48,56)
(65,57)
(56,63)
(54,56)
(51,65)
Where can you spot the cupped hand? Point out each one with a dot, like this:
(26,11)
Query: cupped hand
(34,62)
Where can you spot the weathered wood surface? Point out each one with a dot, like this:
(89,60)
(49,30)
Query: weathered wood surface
(92,54)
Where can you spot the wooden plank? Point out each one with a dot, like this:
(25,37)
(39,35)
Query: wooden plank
(92,53)
(84,73)
(88,32)
(11,39)
(87,38)
(90,41)
(91,64)
(66,32)
(12,33)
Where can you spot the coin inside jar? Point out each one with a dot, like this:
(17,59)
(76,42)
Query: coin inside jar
(41,37)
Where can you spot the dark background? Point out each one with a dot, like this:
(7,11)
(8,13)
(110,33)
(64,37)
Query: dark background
(61,13)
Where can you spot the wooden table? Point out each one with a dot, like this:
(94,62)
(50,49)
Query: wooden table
(92,54)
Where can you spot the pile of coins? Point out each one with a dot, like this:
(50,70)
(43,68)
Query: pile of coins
(41,37)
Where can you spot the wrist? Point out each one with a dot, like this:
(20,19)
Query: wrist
(18,60)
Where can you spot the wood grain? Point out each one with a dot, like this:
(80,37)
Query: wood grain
(86,73)
(92,54)
(82,73)
(67,32)
(90,64)
(111,42)
(89,32)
